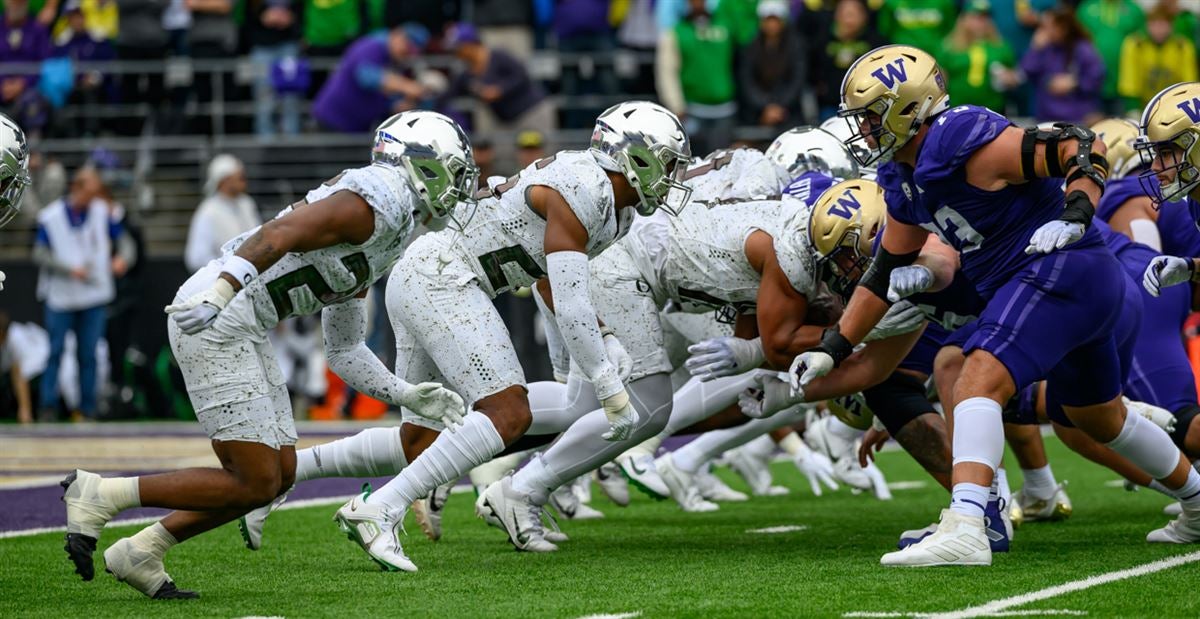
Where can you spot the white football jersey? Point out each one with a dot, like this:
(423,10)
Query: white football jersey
(304,283)
(795,253)
(734,175)
(503,242)
(698,260)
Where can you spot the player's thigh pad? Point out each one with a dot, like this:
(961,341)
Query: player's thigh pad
(236,387)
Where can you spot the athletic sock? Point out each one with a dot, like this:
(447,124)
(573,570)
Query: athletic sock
(121,491)
(968,499)
(154,539)
(1158,487)
(1189,493)
(1147,446)
(1039,483)
(374,452)
(493,470)
(537,480)
(445,461)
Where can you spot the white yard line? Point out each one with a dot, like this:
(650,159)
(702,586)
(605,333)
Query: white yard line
(614,616)
(907,485)
(1000,608)
(787,528)
(298,504)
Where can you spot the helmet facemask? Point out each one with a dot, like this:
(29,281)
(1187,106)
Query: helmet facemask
(1176,157)
(14,178)
(442,184)
(842,269)
(654,172)
(878,144)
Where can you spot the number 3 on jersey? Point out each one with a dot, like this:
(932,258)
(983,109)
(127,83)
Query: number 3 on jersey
(955,231)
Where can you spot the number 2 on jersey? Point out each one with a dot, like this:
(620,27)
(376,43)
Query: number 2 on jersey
(310,277)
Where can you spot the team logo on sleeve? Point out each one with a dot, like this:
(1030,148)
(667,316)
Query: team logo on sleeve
(892,74)
(1191,108)
(847,205)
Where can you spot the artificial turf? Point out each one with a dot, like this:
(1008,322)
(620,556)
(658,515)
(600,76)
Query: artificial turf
(648,558)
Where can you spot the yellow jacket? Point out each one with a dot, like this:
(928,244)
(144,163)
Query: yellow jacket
(1147,68)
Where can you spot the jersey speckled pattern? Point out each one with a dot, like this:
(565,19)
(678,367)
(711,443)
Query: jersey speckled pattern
(733,175)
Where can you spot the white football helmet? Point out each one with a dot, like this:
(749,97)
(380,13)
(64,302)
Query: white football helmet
(647,144)
(838,128)
(810,149)
(437,156)
(14,168)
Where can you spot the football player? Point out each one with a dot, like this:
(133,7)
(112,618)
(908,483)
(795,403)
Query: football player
(14,172)
(995,193)
(320,254)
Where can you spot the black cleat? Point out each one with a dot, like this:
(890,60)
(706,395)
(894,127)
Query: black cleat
(170,592)
(79,551)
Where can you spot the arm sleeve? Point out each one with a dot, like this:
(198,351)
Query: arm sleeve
(666,73)
(560,358)
(576,319)
(345,329)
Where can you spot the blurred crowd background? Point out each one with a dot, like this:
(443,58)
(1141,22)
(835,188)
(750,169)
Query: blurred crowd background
(175,125)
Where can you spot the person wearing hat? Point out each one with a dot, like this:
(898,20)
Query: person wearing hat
(531,146)
(771,70)
(224,214)
(373,81)
(978,63)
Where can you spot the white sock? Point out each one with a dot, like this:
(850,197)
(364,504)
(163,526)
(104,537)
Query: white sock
(445,461)
(763,446)
(1039,483)
(374,452)
(978,432)
(537,480)
(968,499)
(1003,491)
(1189,493)
(490,472)
(121,491)
(1146,445)
(155,539)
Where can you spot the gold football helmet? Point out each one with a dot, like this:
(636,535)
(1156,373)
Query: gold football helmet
(1119,135)
(1169,140)
(886,95)
(842,229)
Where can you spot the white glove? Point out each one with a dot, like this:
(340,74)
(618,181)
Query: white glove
(878,483)
(909,280)
(1054,235)
(622,417)
(617,355)
(1,280)
(773,395)
(1164,272)
(817,468)
(200,310)
(724,356)
(808,367)
(901,318)
(433,401)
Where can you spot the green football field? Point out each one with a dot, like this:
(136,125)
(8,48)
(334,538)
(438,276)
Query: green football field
(651,560)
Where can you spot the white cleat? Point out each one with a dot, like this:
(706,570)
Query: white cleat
(754,471)
(1173,509)
(566,502)
(516,515)
(679,482)
(958,540)
(428,512)
(251,525)
(639,470)
(143,571)
(843,453)
(613,484)
(713,489)
(582,487)
(1032,509)
(1185,529)
(374,530)
(87,513)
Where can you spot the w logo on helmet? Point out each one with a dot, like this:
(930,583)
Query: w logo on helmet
(847,205)
(1191,108)
(891,74)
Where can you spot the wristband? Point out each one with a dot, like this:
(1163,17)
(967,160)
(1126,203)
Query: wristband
(242,271)
(1079,209)
(835,345)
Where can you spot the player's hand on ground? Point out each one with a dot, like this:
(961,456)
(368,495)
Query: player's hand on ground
(622,417)
(817,468)
(1054,235)
(872,442)
(909,280)
(618,356)
(808,367)
(1166,271)
(433,401)
(901,318)
(200,310)
(774,393)
(723,356)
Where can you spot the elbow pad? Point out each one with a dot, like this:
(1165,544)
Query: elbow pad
(879,274)
(1085,163)
(576,319)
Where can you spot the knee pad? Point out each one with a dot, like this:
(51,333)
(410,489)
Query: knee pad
(1022,408)
(1183,421)
(898,400)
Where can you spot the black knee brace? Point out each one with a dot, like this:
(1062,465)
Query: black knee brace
(1183,422)
(898,400)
